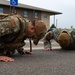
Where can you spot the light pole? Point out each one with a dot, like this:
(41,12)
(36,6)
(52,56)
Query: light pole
(54,19)
(56,22)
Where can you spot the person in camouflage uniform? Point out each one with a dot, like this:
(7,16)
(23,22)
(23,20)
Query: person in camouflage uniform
(65,38)
(14,29)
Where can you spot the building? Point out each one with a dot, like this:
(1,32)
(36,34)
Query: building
(27,11)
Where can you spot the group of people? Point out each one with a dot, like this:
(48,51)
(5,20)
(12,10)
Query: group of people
(14,29)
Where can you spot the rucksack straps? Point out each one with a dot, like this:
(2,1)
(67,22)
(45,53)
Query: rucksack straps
(19,41)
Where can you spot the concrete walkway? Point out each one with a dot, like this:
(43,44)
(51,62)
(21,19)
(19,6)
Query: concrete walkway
(40,45)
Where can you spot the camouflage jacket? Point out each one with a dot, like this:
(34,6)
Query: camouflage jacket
(13,32)
(55,34)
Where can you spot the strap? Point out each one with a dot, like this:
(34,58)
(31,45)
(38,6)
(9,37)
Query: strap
(19,41)
(23,21)
(22,29)
(26,24)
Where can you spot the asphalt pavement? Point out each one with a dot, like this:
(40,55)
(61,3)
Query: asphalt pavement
(56,62)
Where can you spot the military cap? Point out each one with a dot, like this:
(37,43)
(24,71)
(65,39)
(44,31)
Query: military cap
(40,31)
(64,39)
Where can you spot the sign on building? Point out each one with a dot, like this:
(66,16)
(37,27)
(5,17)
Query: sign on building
(13,2)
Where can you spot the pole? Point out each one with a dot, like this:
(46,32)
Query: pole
(10,9)
(13,10)
(56,22)
(54,19)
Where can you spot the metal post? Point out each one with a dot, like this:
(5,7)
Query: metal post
(56,22)
(33,15)
(10,9)
(54,19)
(13,9)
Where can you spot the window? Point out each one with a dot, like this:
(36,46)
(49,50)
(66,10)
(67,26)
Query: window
(36,15)
(45,15)
(1,10)
(25,13)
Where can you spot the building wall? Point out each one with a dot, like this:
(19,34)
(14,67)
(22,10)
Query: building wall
(46,20)
(31,13)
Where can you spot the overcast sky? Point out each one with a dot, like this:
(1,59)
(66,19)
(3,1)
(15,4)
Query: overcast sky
(67,7)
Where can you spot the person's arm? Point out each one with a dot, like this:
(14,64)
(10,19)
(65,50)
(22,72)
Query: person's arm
(47,45)
(47,42)
(23,52)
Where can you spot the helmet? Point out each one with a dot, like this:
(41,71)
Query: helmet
(64,40)
(40,31)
